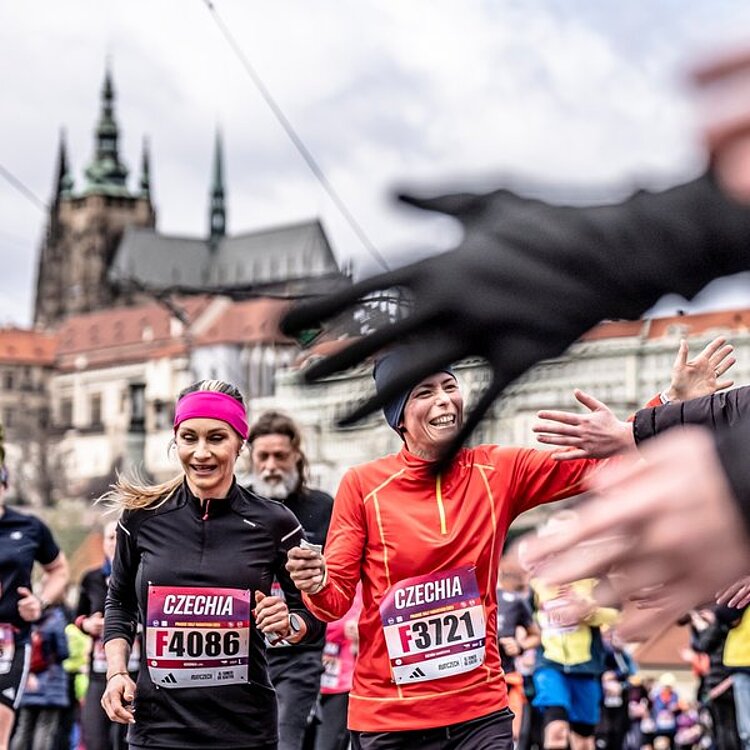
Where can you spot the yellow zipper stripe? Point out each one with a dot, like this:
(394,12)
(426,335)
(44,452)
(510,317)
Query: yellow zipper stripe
(441,507)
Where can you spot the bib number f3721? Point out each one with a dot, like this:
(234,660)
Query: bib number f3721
(434,626)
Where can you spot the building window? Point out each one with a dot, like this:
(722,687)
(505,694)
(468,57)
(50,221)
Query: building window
(66,412)
(137,407)
(95,409)
(163,415)
(9,418)
(8,380)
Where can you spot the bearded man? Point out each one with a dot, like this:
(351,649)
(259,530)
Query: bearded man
(279,470)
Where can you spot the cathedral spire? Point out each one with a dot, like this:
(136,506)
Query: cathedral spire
(106,173)
(145,182)
(218,214)
(63,186)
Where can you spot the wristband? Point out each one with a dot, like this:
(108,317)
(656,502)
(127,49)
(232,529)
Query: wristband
(322,584)
(115,674)
(664,398)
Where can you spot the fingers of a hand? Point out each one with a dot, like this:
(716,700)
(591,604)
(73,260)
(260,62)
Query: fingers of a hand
(589,401)
(558,439)
(113,698)
(712,348)
(724,384)
(741,598)
(311,313)
(570,454)
(682,354)
(592,559)
(24,593)
(563,417)
(427,360)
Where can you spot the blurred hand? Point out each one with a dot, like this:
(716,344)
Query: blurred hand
(93,625)
(118,697)
(736,594)
(307,569)
(598,434)
(700,376)
(29,605)
(527,279)
(510,646)
(650,529)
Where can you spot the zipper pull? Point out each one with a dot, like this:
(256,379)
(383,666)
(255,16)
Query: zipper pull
(205,511)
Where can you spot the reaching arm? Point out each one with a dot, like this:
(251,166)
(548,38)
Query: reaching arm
(539,276)
(599,434)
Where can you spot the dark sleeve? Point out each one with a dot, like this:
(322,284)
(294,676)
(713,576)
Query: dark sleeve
(62,651)
(706,640)
(732,447)
(717,411)
(121,604)
(291,535)
(47,550)
(525,616)
(84,600)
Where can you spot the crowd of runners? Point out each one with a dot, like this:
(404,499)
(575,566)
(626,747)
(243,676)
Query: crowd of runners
(207,620)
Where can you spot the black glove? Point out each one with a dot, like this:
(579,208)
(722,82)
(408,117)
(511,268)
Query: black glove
(529,278)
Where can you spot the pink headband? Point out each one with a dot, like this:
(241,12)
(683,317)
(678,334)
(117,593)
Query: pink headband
(212,405)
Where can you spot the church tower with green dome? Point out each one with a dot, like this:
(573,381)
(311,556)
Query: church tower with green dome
(85,226)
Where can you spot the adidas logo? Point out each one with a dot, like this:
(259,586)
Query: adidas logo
(10,693)
(416,674)
(169,679)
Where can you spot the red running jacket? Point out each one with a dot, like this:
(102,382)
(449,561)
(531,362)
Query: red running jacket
(393,520)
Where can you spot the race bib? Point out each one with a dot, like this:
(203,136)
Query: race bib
(434,626)
(553,617)
(331,666)
(7,647)
(197,637)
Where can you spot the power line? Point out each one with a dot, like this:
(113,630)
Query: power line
(296,140)
(21,188)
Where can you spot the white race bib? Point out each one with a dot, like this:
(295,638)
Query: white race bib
(434,625)
(197,636)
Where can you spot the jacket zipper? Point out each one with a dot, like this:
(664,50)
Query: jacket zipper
(439,498)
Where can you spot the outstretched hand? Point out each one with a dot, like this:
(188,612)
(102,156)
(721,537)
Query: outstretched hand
(526,281)
(598,434)
(650,530)
(701,375)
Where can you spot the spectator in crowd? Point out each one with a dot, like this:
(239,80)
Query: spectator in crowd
(279,471)
(665,705)
(736,658)
(614,721)
(24,540)
(517,632)
(76,667)
(99,733)
(708,637)
(45,697)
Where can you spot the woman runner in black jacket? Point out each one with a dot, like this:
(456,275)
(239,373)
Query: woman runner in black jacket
(195,561)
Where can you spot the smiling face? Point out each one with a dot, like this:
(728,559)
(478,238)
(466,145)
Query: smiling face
(433,415)
(208,449)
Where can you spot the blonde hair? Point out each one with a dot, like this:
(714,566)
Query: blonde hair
(135,493)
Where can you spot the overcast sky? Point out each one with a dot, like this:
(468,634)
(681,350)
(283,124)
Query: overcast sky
(398,92)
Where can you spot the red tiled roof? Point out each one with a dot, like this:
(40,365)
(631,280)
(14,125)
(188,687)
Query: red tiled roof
(663,649)
(26,347)
(655,328)
(125,334)
(251,321)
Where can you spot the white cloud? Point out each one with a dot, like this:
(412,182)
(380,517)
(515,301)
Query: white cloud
(429,92)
